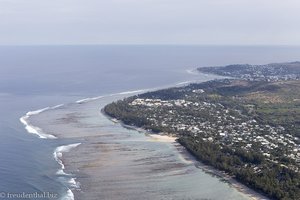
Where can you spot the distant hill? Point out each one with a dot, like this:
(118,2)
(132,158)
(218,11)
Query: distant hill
(268,72)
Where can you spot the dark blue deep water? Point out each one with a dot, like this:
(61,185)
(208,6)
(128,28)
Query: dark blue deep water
(34,77)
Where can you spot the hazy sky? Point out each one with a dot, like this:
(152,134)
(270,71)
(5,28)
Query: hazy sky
(150,22)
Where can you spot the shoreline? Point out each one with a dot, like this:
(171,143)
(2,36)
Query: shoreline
(156,137)
(251,193)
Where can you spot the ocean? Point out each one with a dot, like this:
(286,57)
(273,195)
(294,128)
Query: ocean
(37,77)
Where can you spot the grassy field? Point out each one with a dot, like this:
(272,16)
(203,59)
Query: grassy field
(277,103)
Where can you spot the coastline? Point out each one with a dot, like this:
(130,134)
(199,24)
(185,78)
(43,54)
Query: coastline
(69,155)
(252,194)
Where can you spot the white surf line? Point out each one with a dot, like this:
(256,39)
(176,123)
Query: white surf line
(85,100)
(133,91)
(193,71)
(190,71)
(70,181)
(88,99)
(68,196)
(66,148)
(36,130)
(183,83)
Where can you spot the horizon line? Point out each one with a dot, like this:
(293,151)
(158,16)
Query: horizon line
(219,45)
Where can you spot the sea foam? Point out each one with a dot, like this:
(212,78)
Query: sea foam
(85,100)
(88,99)
(68,196)
(69,181)
(36,130)
(183,83)
(193,71)
(61,149)
(131,92)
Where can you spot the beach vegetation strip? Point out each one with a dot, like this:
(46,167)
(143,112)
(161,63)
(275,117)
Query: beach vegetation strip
(246,128)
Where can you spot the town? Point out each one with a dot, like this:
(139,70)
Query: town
(268,72)
(222,125)
(247,128)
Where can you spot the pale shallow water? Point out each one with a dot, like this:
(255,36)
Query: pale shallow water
(35,77)
(113,162)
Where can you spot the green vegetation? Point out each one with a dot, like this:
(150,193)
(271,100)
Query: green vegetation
(268,72)
(248,167)
(249,129)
